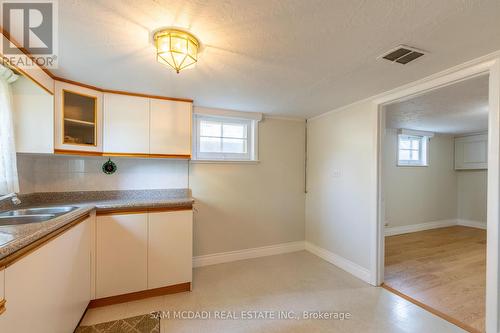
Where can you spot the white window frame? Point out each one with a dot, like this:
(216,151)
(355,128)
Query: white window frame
(252,140)
(423,150)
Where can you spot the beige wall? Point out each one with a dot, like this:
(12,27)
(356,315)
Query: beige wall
(250,205)
(341,182)
(238,206)
(472,195)
(414,195)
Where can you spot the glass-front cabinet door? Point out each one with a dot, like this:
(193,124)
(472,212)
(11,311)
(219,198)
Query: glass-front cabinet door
(78,119)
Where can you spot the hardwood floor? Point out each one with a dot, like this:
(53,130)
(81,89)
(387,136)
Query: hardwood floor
(445,269)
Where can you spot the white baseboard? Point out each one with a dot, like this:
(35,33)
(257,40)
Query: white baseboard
(339,261)
(219,258)
(472,224)
(405,229)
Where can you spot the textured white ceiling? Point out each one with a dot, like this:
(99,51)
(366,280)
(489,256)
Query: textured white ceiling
(284,57)
(456,109)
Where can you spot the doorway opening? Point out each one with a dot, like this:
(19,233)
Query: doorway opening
(433,199)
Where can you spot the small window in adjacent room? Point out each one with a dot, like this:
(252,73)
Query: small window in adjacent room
(224,138)
(413,150)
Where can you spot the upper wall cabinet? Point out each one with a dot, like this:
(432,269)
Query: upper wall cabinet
(471,152)
(170,128)
(146,126)
(78,118)
(126,124)
(33,110)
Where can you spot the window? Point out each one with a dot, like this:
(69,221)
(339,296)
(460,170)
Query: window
(9,181)
(224,138)
(412,150)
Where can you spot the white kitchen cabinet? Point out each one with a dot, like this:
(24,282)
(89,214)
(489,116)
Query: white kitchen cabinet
(170,248)
(48,290)
(121,254)
(126,124)
(78,118)
(33,113)
(471,152)
(170,127)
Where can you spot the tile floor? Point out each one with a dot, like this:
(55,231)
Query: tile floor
(294,282)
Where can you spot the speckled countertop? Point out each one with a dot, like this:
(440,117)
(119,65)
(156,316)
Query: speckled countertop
(14,238)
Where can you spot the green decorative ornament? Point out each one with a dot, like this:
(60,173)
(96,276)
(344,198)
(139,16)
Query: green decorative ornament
(109,167)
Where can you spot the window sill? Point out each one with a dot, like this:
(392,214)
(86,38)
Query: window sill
(224,162)
(411,166)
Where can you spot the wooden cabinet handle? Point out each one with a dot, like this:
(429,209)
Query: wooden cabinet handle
(2,306)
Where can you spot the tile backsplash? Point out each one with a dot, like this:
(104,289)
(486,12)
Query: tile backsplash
(48,173)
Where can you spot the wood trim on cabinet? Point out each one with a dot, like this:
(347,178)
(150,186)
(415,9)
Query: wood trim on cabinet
(121,92)
(104,212)
(176,288)
(431,310)
(57,78)
(175,99)
(21,253)
(63,124)
(96,153)
(76,152)
(23,50)
(24,73)
(2,306)
(145,155)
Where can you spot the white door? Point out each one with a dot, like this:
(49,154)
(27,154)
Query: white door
(170,250)
(126,124)
(170,126)
(121,254)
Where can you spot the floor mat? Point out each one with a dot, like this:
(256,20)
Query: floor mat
(140,324)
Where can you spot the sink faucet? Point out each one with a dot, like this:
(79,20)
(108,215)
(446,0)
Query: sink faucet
(12,196)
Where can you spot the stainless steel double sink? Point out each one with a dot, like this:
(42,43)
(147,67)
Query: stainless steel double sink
(32,215)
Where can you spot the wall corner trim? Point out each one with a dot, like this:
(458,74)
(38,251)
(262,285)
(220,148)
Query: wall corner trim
(256,252)
(341,262)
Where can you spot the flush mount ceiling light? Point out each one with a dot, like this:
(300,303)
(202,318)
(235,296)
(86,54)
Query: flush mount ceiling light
(176,48)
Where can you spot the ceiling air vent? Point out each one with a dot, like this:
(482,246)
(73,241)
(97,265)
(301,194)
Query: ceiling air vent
(403,54)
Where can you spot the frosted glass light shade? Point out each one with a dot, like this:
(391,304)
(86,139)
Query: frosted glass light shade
(177,49)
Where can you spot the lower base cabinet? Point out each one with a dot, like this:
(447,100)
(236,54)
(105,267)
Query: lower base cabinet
(48,290)
(170,248)
(121,254)
(138,252)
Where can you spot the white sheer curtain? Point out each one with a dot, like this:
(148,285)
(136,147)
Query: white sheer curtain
(9,181)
